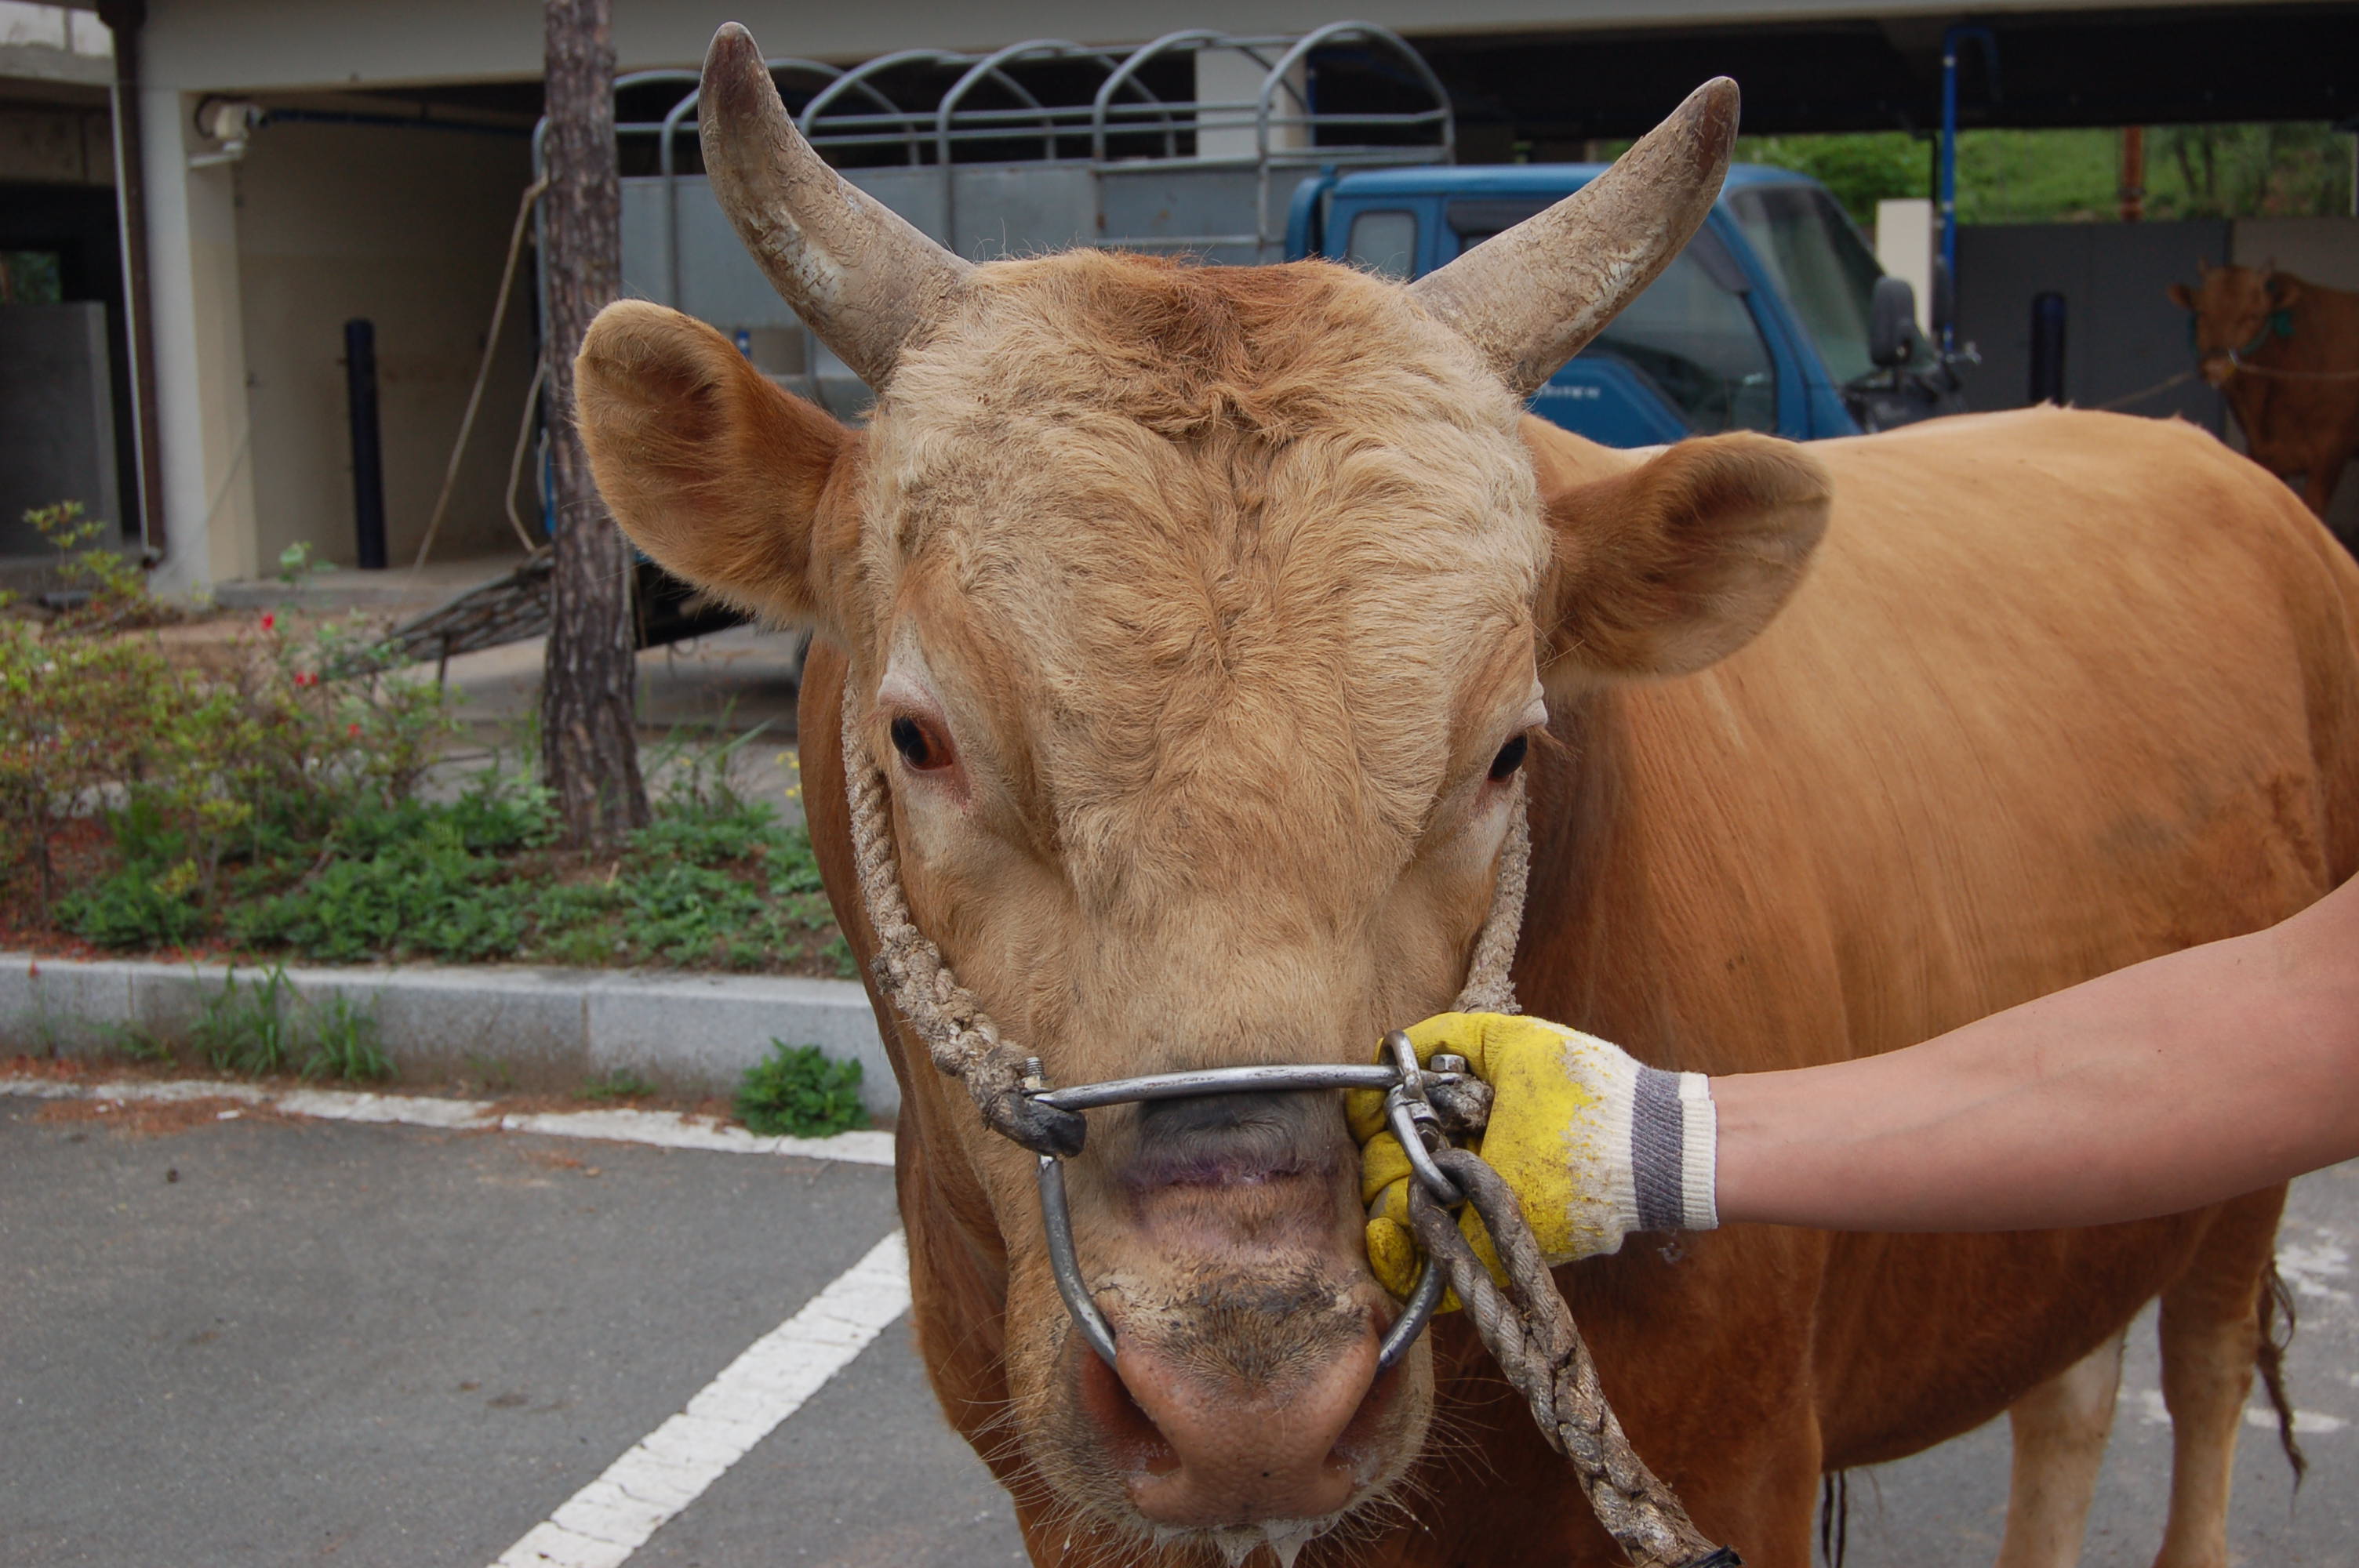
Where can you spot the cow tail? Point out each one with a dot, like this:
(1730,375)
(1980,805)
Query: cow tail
(2276,1324)
(1834,1517)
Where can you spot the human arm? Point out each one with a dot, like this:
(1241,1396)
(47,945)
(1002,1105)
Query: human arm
(2154,1089)
(2174,1083)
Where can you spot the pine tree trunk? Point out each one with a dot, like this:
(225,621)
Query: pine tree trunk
(588,748)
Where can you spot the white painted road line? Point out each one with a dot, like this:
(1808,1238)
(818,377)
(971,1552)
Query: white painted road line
(601,1525)
(664,1129)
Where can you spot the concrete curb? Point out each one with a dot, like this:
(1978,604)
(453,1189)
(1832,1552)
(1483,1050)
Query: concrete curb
(532,1028)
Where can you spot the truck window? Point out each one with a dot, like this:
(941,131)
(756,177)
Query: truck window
(1695,339)
(1821,264)
(1382,243)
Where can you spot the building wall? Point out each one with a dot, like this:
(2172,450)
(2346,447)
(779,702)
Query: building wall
(409,229)
(250,44)
(57,144)
(2320,250)
(56,406)
(2122,333)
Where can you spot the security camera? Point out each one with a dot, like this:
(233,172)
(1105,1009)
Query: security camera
(228,121)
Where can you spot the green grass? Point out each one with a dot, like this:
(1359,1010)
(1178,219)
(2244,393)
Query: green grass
(248,1029)
(343,1045)
(264,1028)
(620,1084)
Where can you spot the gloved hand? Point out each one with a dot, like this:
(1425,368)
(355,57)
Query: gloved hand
(1595,1144)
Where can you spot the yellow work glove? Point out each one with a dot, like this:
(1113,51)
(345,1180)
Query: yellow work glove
(1595,1144)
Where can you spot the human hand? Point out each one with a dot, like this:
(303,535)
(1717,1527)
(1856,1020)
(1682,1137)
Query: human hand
(1594,1143)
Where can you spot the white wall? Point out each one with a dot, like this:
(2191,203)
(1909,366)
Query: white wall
(409,229)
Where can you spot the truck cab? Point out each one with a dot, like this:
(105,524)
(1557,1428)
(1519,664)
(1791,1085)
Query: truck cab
(1768,320)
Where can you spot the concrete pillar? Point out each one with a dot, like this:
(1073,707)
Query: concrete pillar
(204,432)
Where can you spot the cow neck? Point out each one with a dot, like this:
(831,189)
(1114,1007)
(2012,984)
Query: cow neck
(961,1037)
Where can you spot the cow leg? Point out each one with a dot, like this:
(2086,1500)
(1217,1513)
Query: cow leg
(2318,486)
(2325,472)
(2211,1329)
(2059,1430)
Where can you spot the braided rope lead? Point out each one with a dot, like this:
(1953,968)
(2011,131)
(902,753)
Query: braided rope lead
(1532,1336)
(1529,1332)
(959,1035)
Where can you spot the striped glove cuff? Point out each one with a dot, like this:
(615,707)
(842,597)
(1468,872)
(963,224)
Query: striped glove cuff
(1674,1145)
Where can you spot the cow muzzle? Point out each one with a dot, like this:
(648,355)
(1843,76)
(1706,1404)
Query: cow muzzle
(1205,1441)
(1405,1086)
(1251,1386)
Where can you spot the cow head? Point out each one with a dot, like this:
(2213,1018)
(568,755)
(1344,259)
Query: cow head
(1198,619)
(2235,310)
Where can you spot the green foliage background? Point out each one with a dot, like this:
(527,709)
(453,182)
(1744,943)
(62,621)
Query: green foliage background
(2291,170)
(288,805)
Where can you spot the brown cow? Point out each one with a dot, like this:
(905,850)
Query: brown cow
(1193,615)
(2286,352)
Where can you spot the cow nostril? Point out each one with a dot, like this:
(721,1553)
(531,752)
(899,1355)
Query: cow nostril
(1233,1452)
(1130,1435)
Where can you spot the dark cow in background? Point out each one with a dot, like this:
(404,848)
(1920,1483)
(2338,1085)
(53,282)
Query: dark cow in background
(2286,353)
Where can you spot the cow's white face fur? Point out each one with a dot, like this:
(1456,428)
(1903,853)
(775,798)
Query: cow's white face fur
(1188,612)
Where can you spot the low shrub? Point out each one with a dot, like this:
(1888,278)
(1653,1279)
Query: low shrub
(798,1091)
(279,809)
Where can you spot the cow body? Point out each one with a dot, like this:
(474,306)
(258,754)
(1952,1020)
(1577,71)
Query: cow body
(1197,623)
(2063,692)
(2285,353)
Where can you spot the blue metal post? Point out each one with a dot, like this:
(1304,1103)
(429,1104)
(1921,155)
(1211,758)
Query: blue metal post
(1949,191)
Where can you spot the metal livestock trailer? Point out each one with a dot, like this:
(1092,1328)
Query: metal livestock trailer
(1038,146)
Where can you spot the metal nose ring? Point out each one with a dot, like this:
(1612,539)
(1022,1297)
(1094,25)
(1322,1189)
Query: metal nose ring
(1401,1079)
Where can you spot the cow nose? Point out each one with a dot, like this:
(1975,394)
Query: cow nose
(1210,1452)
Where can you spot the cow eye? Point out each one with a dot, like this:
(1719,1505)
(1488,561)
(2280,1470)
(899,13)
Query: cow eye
(920,748)
(1510,758)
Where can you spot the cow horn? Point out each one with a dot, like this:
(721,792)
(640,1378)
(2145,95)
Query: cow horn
(863,278)
(1530,299)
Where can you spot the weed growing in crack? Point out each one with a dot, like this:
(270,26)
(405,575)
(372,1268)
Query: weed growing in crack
(265,1028)
(620,1084)
(344,1046)
(798,1091)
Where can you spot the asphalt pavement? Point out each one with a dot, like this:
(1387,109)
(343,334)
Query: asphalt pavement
(260,1340)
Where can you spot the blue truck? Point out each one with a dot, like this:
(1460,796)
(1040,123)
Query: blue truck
(1775,318)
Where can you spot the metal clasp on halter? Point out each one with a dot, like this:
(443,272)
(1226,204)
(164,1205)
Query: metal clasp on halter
(1408,1109)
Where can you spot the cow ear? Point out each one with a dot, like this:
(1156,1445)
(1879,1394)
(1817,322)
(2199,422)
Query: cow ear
(708,466)
(2283,290)
(2181,296)
(1679,562)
